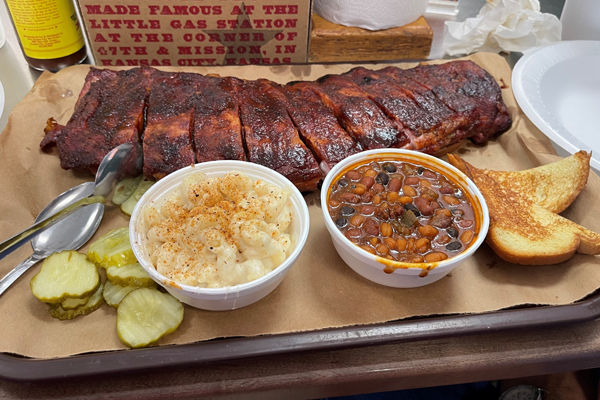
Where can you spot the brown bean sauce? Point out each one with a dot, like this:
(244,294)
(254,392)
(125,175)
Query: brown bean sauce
(402,212)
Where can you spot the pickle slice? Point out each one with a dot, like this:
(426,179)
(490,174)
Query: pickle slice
(94,303)
(70,304)
(112,249)
(129,205)
(129,275)
(145,315)
(113,294)
(63,275)
(125,189)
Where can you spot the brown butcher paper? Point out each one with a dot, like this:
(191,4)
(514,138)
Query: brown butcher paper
(320,291)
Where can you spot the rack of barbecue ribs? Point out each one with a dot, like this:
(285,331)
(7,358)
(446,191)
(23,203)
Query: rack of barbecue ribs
(301,129)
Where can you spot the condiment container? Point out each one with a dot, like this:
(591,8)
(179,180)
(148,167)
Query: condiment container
(49,33)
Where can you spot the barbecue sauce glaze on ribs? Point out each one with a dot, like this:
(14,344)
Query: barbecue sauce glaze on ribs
(183,118)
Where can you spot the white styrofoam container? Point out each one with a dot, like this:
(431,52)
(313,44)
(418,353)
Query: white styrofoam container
(232,297)
(407,275)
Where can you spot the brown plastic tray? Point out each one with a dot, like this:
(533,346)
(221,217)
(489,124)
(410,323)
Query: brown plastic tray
(24,369)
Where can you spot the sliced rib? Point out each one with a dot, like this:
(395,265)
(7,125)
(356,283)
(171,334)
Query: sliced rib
(217,126)
(319,128)
(467,89)
(271,138)
(358,114)
(168,133)
(109,112)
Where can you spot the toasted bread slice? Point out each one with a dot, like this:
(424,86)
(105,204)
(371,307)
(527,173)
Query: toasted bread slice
(523,232)
(553,186)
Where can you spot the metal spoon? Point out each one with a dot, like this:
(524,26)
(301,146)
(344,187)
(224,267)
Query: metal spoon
(69,234)
(124,160)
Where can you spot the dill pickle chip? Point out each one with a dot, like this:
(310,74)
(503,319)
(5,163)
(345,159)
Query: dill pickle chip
(113,294)
(94,302)
(145,315)
(129,275)
(63,275)
(125,189)
(129,205)
(70,303)
(112,249)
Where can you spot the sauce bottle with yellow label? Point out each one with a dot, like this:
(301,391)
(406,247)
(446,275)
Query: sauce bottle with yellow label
(49,33)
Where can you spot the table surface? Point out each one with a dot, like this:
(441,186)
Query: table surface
(333,373)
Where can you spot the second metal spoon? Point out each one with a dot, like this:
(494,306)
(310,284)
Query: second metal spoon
(69,234)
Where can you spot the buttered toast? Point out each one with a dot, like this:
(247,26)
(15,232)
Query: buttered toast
(523,231)
(553,186)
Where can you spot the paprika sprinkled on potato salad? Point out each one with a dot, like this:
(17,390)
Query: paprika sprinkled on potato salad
(217,232)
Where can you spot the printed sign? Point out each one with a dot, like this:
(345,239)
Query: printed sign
(190,33)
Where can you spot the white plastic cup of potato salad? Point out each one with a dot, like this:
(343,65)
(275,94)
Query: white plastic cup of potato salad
(230,297)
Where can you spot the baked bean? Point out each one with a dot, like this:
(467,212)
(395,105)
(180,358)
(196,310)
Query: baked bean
(334,203)
(451,200)
(367,197)
(349,197)
(369,249)
(371,173)
(425,183)
(465,223)
(409,191)
(435,257)
(424,205)
(466,237)
(401,244)
(382,249)
(405,199)
(357,220)
(416,259)
(374,241)
(368,181)
(453,246)
(427,231)
(393,197)
(360,190)
(353,175)
(371,227)
(367,210)
(341,222)
(444,239)
(446,190)
(422,245)
(394,185)
(347,210)
(389,242)
(382,178)
(376,199)
(452,231)
(378,188)
(353,233)
(389,168)
(386,229)
(411,245)
(444,211)
(413,180)
(429,174)
(429,193)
